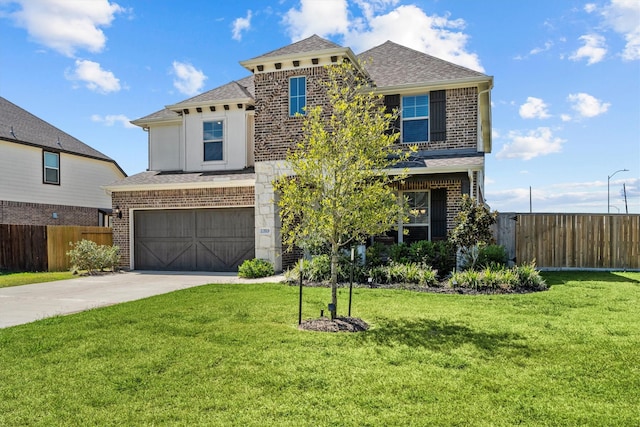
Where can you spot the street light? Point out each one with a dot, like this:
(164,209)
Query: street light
(608,179)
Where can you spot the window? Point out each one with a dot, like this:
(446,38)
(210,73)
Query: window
(419,216)
(415,118)
(213,140)
(51,168)
(297,95)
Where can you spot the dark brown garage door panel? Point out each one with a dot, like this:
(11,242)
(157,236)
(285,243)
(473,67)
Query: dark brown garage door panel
(194,239)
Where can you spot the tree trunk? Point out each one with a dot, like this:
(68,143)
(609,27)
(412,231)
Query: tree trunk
(334,280)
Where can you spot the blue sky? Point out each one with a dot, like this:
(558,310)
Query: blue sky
(566,101)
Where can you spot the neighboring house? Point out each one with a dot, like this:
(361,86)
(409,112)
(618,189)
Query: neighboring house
(48,177)
(207,203)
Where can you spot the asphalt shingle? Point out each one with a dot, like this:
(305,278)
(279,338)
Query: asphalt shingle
(19,125)
(391,64)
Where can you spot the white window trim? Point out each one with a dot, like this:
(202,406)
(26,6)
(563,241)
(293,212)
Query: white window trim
(224,141)
(427,117)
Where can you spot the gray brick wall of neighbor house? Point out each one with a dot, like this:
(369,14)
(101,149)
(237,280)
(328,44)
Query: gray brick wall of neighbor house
(44,214)
(158,199)
(275,130)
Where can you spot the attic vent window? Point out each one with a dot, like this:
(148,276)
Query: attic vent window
(314,61)
(199,109)
(260,67)
(239,106)
(212,108)
(334,59)
(186,111)
(226,107)
(296,63)
(278,65)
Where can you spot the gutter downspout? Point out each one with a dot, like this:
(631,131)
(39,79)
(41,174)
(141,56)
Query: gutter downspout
(480,138)
(471,183)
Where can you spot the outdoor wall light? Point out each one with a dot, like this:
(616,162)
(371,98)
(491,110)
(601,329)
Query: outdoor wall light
(117,212)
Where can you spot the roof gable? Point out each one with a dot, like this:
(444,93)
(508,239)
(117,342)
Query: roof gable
(391,64)
(239,89)
(20,126)
(310,44)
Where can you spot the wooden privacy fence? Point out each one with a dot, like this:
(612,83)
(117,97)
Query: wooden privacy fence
(572,240)
(23,247)
(44,248)
(59,237)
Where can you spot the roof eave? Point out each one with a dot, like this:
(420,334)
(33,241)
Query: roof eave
(250,64)
(182,105)
(181,186)
(435,85)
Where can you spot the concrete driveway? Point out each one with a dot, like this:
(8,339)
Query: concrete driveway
(24,304)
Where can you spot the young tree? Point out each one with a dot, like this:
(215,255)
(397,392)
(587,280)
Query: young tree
(473,228)
(339,192)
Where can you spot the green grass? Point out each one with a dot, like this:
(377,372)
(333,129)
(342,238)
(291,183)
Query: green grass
(231,355)
(17,279)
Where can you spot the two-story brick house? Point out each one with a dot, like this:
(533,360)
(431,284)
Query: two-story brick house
(207,203)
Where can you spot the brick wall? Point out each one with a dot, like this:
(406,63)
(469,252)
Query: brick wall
(187,198)
(275,130)
(462,121)
(43,214)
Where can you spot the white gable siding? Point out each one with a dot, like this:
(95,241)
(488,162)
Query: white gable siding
(80,178)
(165,148)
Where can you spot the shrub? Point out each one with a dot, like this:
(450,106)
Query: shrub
(492,254)
(87,255)
(400,253)
(376,254)
(412,273)
(529,277)
(255,268)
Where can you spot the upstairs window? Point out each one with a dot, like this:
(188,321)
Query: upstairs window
(415,118)
(213,138)
(51,172)
(297,95)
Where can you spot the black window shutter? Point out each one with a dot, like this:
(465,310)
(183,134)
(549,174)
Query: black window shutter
(392,102)
(438,115)
(439,214)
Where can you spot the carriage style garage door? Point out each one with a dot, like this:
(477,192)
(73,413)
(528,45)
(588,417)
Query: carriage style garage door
(193,239)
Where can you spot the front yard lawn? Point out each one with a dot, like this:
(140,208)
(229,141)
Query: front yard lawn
(231,355)
(16,279)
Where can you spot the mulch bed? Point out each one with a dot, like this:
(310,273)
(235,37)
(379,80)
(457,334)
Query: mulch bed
(339,324)
(442,289)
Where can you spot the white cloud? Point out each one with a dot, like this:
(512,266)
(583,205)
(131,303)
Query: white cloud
(623,16)
(240,25)
(534,108)
(189,80)
(94,77)
(590,7)
(317,17)
(408,25)
(66,25)
(538,142)
(594,49)
(565,117)
(538,50)
(112,119)
(587,105)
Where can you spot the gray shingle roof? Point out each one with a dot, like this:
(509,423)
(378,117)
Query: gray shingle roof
(155,178)
(239,89)
(309,44)
(18,125)
(164,114)
(391,64)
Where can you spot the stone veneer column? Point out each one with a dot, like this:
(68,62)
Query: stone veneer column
(268,238)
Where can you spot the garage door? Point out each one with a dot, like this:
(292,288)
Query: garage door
(194,239)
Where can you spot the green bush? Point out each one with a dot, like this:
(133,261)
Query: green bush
(524,277)
(87,255)
(377,254)
(400,253)
(255,268)
(410,273)
(491,254)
